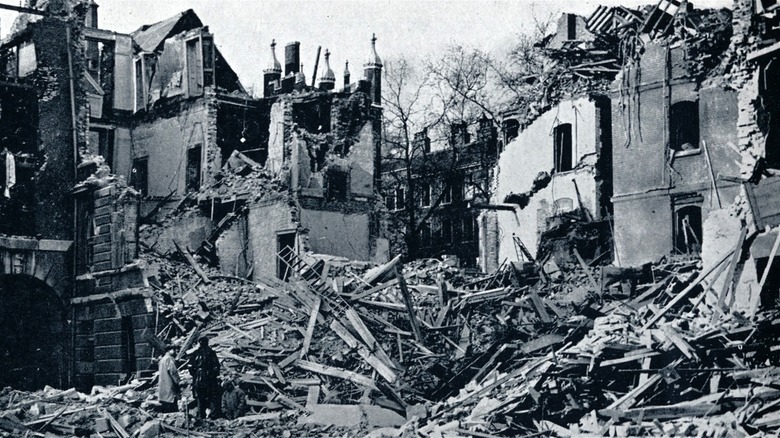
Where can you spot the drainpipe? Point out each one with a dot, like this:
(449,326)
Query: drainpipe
(74,125)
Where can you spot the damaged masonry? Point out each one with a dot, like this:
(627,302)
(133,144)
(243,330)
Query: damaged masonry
(596,259)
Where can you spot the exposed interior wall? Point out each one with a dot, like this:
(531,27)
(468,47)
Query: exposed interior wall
(337,233)
(234,249)
(532,152)
(164,141)
(266,221)
(189,229)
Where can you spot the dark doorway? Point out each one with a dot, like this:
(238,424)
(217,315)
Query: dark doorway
(139,177)
(283,241)
(688,232)
(193,168)
(32,334)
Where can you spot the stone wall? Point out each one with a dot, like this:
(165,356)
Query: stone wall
(110,340)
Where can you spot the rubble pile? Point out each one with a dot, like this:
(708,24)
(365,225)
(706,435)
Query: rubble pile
(426,350)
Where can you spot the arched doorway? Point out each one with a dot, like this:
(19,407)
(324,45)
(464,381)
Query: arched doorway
(32,334)
(688,229)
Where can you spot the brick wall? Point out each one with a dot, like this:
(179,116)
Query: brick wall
(646,174)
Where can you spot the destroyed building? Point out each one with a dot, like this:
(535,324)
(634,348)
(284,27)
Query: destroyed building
(675,158)
(437,207)
(155,128)
(322,147)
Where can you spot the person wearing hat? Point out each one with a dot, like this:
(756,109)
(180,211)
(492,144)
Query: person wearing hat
(205,379)
(168,391)
(233,400)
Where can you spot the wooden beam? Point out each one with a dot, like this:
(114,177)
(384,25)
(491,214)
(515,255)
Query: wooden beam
(587,271)
(310,327)
(192,262)
(337,372)
(539,306)
(382,368)
(362,330)
(685,292)
(409,305)
(727,285)
(23,10)
(772,255)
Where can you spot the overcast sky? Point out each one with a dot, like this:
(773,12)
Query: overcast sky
(243,29)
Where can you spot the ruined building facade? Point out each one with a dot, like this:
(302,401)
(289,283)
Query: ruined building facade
(323,145)
(113,141)
(675,158)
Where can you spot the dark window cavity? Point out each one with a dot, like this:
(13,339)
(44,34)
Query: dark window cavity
(563,147)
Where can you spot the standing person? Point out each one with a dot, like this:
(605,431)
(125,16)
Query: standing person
(205,379)
(168,391)
(233,400)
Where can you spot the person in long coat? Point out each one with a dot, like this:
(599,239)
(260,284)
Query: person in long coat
(168,392)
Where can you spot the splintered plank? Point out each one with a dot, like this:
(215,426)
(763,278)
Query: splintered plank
(685,292)
(539,307)
(382,368)
(283,397)
(368,337)
(191,260)
(665,412)
(541,343)
(585,268)
(336,372)
(310,327)
(374,290)
(409,306)
(678,341)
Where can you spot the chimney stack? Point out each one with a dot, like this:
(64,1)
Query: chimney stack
(292,58)
(92,15)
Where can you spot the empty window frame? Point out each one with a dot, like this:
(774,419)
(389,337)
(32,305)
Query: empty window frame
(400,198)
(338,185)
(684,126)
(446,231)
(563,150)
(425,236)
(425,194)
(468,228)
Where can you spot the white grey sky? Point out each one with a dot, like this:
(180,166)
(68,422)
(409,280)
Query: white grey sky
(243,29)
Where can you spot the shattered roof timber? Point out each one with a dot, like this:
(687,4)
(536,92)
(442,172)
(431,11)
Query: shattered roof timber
(150,37)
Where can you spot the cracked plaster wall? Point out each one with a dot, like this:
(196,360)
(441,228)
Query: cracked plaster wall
(532,152)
